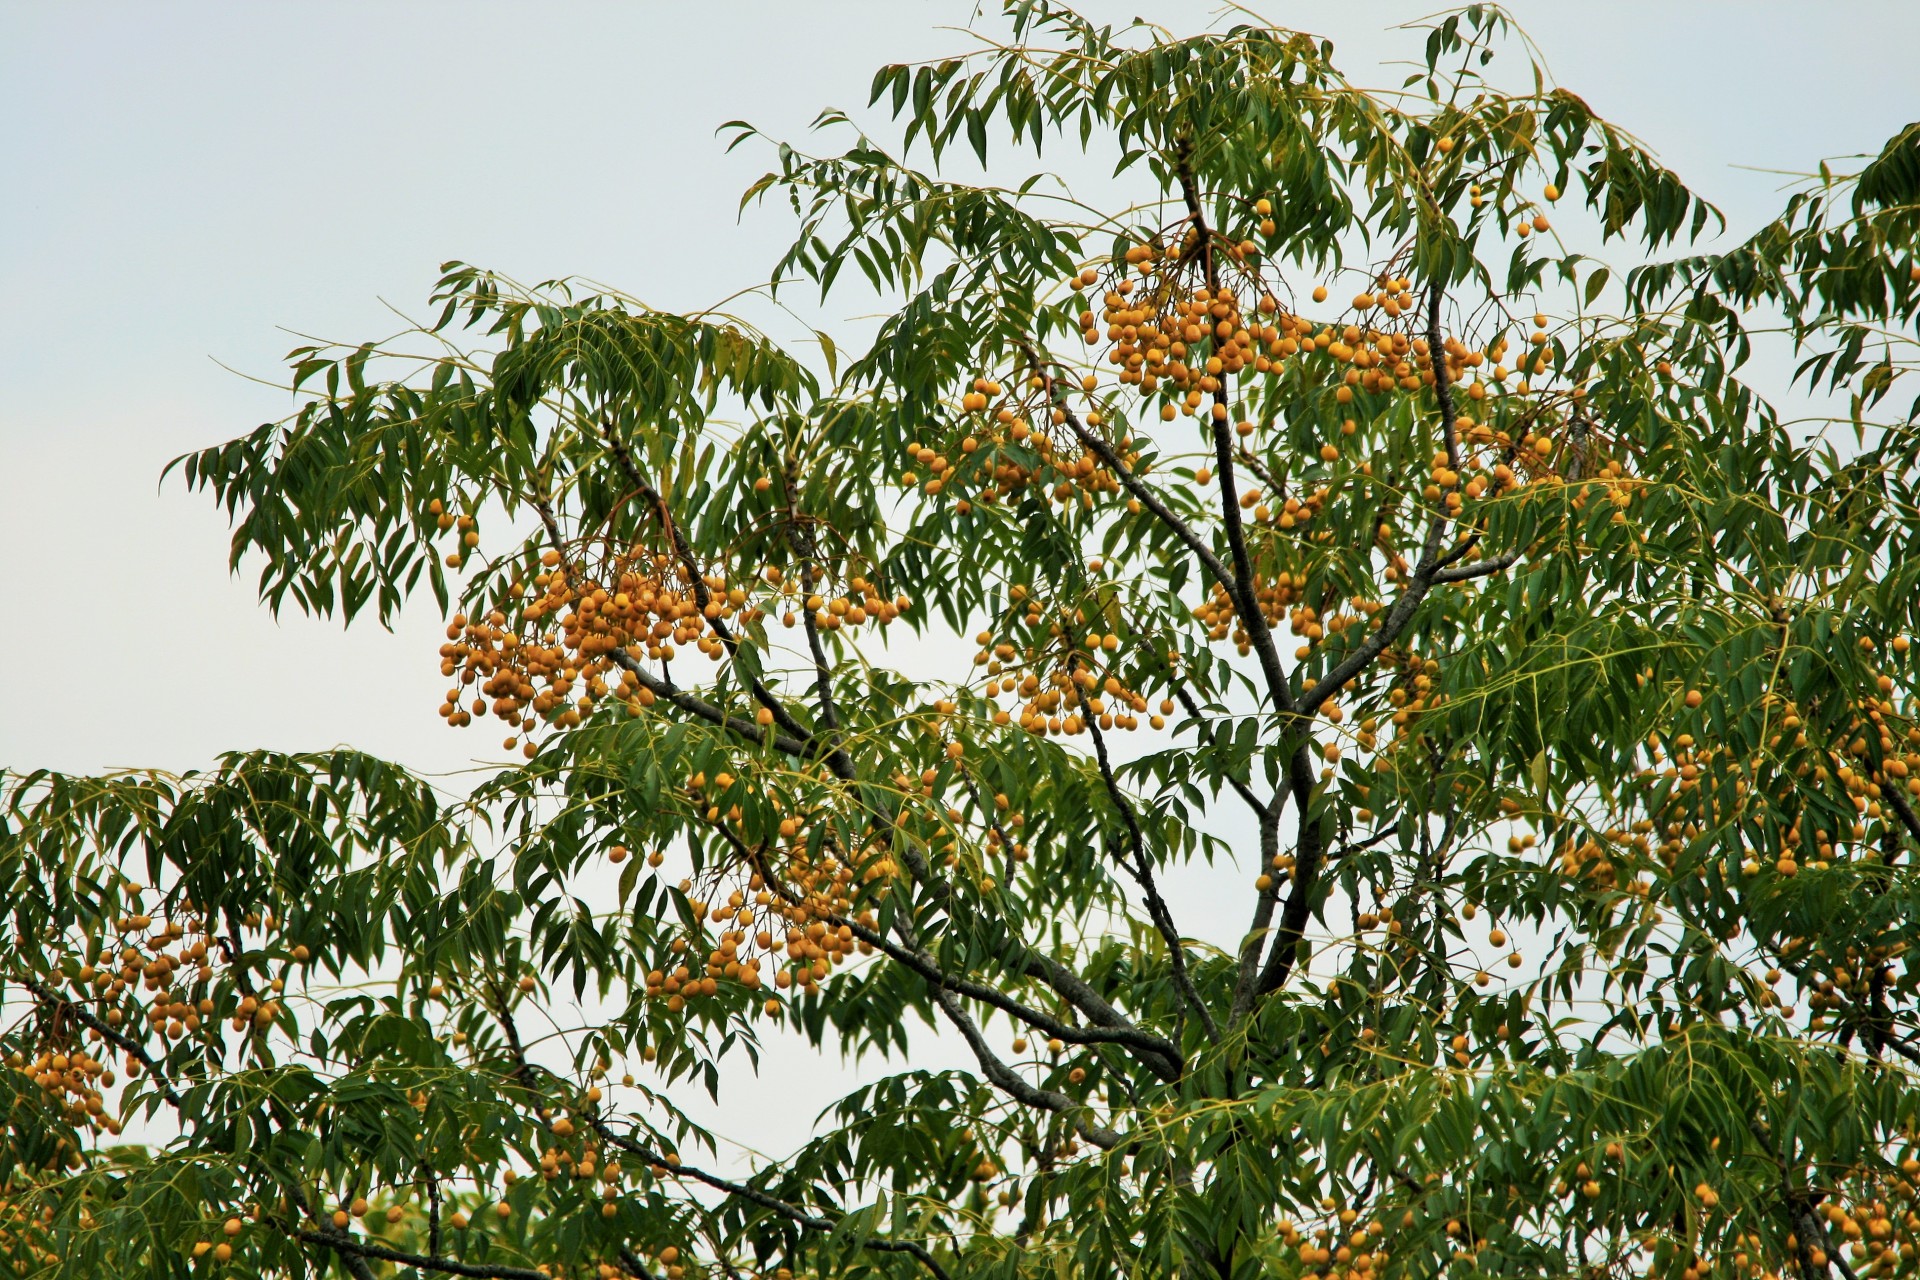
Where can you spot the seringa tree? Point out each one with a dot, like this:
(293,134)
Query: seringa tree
(1329,512)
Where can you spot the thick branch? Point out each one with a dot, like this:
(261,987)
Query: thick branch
(704,710)
(355,1264)
(1481,569)
(1813,1234)
(1429,567)
(664,688)
(636,1268)
(1245,597)
(1035,964)
(1011,1082)
(1899,804)
(1215,567)
(1299,906)
(1255,937)
(1293,916)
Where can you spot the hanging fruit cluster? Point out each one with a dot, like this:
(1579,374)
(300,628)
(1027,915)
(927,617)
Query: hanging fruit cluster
(550,653)
(1066,676)
(155,986)
(1012,444)
(795,934)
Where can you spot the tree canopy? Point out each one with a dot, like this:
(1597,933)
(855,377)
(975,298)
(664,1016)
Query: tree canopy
(1415,499)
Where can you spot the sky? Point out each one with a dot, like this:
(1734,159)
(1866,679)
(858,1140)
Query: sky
(185,189)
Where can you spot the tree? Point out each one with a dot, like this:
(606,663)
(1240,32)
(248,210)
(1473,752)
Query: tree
(1575,807)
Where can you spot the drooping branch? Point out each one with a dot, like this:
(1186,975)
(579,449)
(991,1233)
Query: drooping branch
(1160,1056)
(1016,1087)
(661,687)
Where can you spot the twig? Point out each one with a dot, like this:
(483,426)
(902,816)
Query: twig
(753,1195)
(1141,870)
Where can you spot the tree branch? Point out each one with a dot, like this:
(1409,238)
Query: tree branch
(1240,788)
(361,1249)
(1255,981)
(702,595)
(1299,907)
(753,1195)
(115,1038)
(1432,568)
(1141,870)
(1161,1057)
(1011,1082)
(1479,569)
(525,1070)
(1245,596)
(1898,803)
(661,687)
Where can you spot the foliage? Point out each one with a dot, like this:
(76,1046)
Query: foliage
(1575,810)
